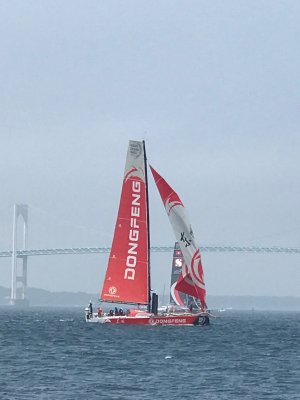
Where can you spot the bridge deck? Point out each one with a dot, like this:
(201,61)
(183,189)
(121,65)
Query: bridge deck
(155,249)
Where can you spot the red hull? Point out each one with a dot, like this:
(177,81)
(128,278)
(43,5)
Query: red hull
(189,319)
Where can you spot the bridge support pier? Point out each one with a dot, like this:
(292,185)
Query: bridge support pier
(18,296)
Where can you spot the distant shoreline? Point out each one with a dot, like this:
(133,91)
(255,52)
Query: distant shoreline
(44,298)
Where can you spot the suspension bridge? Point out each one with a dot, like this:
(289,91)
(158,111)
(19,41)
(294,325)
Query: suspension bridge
(21,211)
(154,249)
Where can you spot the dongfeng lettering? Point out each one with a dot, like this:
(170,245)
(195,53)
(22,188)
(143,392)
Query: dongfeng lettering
(133,237)
(153,321)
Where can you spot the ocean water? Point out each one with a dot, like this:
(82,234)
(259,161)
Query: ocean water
(55,354)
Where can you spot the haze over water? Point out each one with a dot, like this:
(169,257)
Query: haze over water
(55,355)
(212,87)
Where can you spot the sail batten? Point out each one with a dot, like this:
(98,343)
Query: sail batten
(191,279)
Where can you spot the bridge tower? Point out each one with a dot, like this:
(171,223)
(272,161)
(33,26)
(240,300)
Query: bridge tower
(18,296)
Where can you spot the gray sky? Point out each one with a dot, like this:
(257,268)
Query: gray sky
(213,88)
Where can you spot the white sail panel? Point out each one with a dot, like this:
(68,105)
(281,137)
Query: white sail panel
(191,280)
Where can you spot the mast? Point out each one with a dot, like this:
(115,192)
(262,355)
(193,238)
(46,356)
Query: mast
(148,227)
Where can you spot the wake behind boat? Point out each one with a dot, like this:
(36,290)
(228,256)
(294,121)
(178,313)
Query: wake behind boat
(128,275)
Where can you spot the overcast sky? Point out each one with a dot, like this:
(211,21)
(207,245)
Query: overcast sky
(213,88)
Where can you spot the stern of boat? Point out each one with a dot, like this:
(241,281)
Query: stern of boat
(203,319)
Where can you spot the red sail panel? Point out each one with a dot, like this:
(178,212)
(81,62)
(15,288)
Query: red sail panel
(186,285)
(126,278)
(191,280)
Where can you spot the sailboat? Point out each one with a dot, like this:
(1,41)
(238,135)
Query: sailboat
(128,276)
(177,298)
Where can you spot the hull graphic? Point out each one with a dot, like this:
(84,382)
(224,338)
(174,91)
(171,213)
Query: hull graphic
(151,320)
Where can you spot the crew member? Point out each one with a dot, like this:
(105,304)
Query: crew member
(91,308)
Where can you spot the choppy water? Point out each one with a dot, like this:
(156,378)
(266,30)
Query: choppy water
(54,354)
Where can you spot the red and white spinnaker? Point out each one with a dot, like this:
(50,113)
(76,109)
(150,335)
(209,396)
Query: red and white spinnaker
(191,279)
